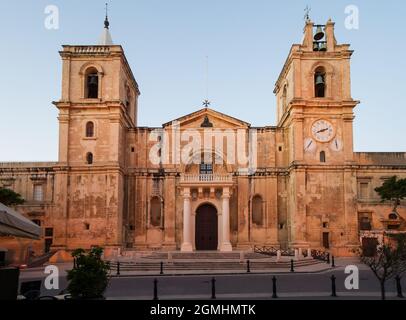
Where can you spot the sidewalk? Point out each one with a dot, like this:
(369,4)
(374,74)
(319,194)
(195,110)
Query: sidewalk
(268,296)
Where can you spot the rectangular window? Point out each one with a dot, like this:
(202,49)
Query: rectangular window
(365,224)
(206,168)
(38,192)
(49,232)
(365,220)
(364,190)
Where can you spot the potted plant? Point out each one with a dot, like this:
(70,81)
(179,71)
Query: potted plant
(90,274)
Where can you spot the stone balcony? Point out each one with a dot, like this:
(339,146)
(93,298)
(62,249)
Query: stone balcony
(206,179)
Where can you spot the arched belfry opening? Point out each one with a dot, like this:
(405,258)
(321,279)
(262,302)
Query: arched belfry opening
(320,82)
(92,84)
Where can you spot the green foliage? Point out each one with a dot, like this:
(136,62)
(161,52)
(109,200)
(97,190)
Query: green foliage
(90,275)
(9,197)
(393,189)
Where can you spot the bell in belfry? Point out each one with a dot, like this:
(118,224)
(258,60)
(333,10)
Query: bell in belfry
(319,34)
(323,46)
(315,46)
(93,80)
(319,80)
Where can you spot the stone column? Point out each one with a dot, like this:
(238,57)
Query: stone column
(226,245)
(220,230)
(187,242)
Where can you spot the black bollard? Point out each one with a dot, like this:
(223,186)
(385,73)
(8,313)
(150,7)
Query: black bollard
(118,268)
(291,266)
(399,287)
(274,295)
(162,268)
(333,286)
(332,262)
(328,258)
(248,266)
(213,288)
(155,289)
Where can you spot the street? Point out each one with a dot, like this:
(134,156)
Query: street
(240,286)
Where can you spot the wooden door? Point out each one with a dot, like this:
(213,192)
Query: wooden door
(206,235)
(326,242)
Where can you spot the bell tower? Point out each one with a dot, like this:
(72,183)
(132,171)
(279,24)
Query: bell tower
(97,109)
(99,102)
(314,100)
(315,116)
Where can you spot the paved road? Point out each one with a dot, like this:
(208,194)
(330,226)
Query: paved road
(240,286)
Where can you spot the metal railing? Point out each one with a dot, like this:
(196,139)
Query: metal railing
(272,251)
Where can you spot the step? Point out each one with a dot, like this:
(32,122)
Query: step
(193,265)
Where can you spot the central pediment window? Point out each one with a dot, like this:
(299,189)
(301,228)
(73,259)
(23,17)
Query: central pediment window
(206,168)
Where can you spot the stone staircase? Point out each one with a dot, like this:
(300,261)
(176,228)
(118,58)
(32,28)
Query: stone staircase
(204,261)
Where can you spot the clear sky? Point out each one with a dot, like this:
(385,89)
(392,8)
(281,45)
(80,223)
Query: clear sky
(166,43)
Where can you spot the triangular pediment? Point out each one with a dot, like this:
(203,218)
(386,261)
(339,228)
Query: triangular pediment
(207,117)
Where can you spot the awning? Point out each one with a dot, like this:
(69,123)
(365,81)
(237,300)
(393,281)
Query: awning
(14,224)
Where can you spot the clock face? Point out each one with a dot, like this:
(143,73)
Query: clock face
(323,130)
(336,144)
(309,145)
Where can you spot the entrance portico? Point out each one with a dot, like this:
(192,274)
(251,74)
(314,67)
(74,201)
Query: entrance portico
(201,192)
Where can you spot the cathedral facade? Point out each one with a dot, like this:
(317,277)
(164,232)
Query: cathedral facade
(206,181)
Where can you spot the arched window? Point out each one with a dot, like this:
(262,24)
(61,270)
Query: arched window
(92,83)
(257,210)
(284,98)
(89,129)
(320,83)
(89,158)
(128,97)
(323,156)
(155,212)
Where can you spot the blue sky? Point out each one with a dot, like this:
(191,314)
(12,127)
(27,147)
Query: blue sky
(166,43)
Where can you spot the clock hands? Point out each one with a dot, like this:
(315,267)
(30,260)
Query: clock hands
(310,143)
(322,130)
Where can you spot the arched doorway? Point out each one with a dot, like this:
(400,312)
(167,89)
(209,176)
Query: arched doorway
(206,234)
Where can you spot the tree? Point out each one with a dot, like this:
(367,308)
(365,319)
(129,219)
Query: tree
(90,274)
(393,189)
(400,240)
(9,198)
(388,261)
